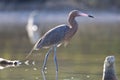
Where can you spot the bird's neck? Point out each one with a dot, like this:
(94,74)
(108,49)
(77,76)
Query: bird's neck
(73,24)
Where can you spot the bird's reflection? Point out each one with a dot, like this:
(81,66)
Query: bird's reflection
(44,75)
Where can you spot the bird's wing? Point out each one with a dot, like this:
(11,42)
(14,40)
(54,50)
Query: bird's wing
(54,36)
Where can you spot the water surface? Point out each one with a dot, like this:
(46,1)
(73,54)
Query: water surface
(82,59)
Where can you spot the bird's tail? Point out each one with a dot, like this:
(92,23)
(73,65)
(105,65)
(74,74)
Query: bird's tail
(29,53)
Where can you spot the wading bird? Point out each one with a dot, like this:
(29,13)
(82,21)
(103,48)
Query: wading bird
(58,35)
(109,69)
(32,29)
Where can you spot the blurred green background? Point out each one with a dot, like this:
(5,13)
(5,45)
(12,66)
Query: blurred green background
(82,59)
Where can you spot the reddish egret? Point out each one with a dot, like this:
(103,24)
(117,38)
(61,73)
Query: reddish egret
(58,35)
(32,29)
(109,69)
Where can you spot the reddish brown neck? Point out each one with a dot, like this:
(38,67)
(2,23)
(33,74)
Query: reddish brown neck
(73,24)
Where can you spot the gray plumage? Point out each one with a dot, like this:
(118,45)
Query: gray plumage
(53,36)
(58,35)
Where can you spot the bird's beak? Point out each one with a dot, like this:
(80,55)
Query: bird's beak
(86,15)
(90,16)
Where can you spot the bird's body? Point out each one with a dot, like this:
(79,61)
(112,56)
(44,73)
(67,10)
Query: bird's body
(58,35)
(49,39)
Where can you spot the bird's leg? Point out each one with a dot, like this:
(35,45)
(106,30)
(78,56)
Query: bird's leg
(44,76)
(46,57)
(56,75)
(55,59)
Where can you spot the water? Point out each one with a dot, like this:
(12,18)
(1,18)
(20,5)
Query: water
(68,70)
(82,59)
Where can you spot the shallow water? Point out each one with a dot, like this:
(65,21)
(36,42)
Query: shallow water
(82,59)
(83,67)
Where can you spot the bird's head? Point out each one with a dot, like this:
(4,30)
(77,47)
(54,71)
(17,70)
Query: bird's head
(75,13)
